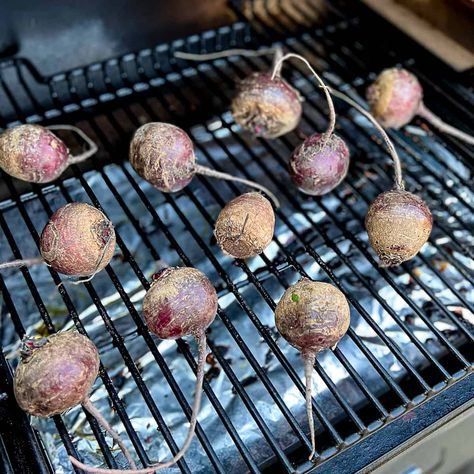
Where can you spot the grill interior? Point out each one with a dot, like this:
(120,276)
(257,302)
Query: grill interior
(411,335)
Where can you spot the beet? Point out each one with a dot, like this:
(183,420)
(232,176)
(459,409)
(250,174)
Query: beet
(266,106)
(319,164)
(78,240)
(387,215)
(35,154)
(396,96)
(56,374)
(163,155)
(180,302)
(398,223)
(245,226)
(312,316)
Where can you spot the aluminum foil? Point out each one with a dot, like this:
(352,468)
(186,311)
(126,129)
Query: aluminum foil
(365,152)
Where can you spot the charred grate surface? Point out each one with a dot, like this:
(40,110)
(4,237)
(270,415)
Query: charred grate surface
(410,346)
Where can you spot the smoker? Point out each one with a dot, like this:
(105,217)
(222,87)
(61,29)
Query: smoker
(394,396)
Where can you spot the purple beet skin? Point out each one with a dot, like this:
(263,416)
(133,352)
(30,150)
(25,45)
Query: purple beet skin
(163,154)
(266,107)
(78,240)
(55,374)
(319,164)
(395,97)
(180,302)
(32,153)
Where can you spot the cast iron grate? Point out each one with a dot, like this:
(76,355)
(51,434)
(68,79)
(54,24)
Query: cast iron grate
(320,238)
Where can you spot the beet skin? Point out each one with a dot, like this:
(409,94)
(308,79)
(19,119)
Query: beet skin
(398,224)
(319,164)
(78,240)
(395,97)
(266,107)
(180,302)
(57,375)
(312,316)
(245,226)
(32,153)
(163,154)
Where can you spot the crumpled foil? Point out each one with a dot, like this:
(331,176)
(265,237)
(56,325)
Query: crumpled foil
(362,175)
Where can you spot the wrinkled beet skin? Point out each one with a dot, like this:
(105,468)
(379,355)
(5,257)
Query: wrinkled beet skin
(245,226)
(318,165)
(312,316)
(32,153)
(395,97)
(73,240)
(163,154)
(267,108)
(398,224)
(56,376)
(180,302)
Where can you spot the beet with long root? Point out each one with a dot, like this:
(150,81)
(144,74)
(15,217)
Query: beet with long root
(180,302)
(265,104)
(321,162)
(312,316)
(398,222)
(396,96)
(78,241)
(35,154)
(56,374)
(245,226)
(163,155)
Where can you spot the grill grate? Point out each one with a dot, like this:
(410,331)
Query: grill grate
(320,238)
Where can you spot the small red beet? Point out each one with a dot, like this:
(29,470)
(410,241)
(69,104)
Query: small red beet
(312,316)
(180,302)
(78,240)
(396,96)
(56,374)
(32,153)
(245,226)
(35,154)
(268,107)
(163,154)
(398,224)
(319,164)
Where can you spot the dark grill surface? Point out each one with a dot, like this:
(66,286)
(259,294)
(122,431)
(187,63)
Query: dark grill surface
(406,360)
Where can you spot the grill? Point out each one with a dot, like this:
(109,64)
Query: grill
(407,359)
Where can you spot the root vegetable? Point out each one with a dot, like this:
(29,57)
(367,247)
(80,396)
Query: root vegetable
(312,316)
(398,222)
(163,154)
(245,226)
(56,374)
(35,154)
(396,96)
(321,162)
(180,302)
(78,240)
(265,104)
